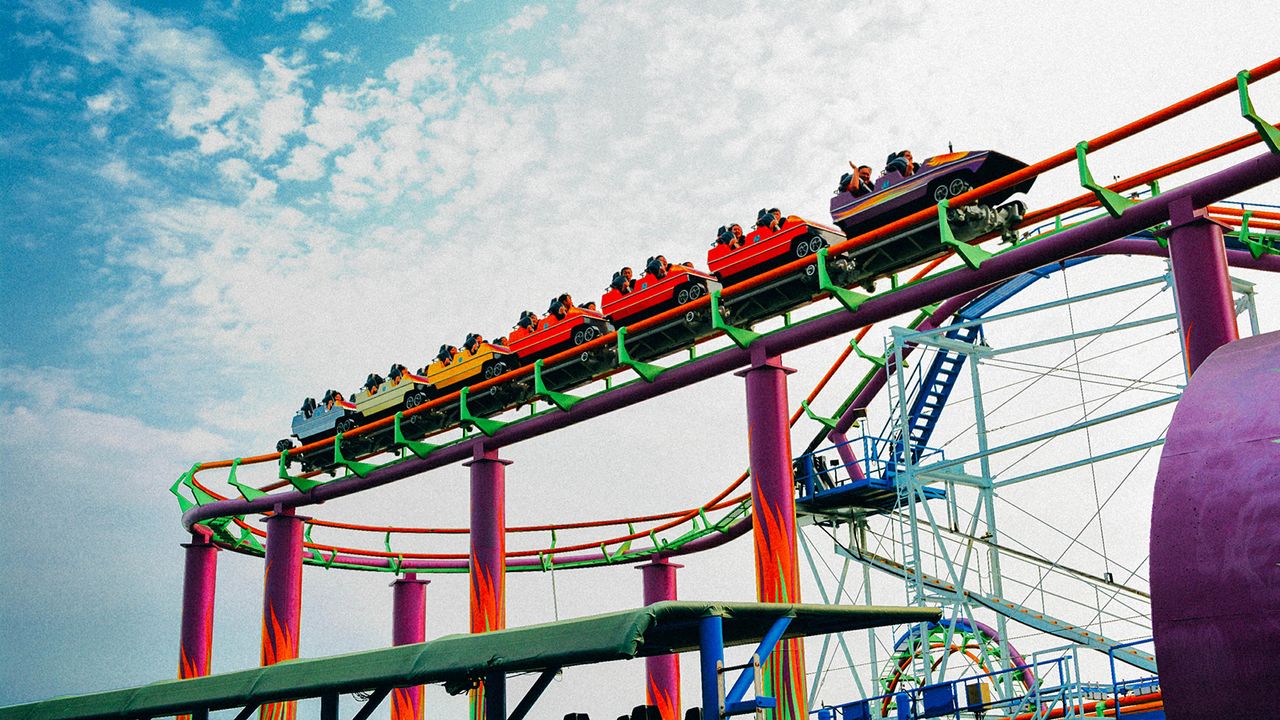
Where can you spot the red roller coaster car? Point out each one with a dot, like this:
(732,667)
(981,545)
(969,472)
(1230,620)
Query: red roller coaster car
(551,335)
(653,295)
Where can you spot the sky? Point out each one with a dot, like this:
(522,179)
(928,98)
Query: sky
(210,211)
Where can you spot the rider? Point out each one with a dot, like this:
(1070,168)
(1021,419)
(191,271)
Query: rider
(331,398)
(447,354)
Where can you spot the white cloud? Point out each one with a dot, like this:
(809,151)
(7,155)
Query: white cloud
(332,57)
(314,32)
(119,172)
(108,102)
(213,98)
(372,9)
(301,7)
(527,17)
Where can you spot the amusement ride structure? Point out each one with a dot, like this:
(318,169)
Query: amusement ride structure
(1003,387)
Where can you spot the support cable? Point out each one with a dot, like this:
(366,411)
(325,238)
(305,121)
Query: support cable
(1088,435)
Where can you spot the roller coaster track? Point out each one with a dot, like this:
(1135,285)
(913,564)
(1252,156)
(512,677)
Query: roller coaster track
(703,531)
(983,270)
(996,268)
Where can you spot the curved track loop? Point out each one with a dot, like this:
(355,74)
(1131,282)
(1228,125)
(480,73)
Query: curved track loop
(571,556)
(1149,121)
(1215,538)
(1074,241)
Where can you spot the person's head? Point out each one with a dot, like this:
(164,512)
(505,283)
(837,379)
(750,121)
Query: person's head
(627,273)
(591,305)
(566,300)
(736,229)
(906,154)
(662,260)
(864,172)
(776,213)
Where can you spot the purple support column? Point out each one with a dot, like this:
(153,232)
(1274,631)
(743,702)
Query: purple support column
(488,572)
(1215,539)
(662,672)
(282,600)
(408,626)
(773,511)
(198,581)
(1206,305)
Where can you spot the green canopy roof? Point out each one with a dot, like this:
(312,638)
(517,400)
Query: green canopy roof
(659,629)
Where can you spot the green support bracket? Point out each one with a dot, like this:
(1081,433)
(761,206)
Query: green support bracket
(202,497)
(484,425)
(1114,202)
(1270,136)
(1257,248)
(928,310)
(1155,187)
(972,255)
(564,401)
(246,492)
(657,544)
(421,449)
(361,469)
(300,484)
(183,503)
(877,360)
(741,337)
(848,298)
(394,563)
(645,370)
(826,422)
(247,538)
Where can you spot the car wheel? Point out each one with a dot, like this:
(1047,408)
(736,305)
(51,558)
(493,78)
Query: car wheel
(959,186)
(696,291)
(285,444)
(940,193)
(414,399)
(682,297)
(802,249)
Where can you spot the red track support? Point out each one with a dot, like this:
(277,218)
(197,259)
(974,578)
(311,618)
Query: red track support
(199,580)
(774,528)
(488,574)
(282,600)
(408,626)
(661,672)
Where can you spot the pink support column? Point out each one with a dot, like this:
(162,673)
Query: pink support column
(408,626)
(773,513)
(198,582)
(1206,305)
(662,672)
(488,575)
(282,600)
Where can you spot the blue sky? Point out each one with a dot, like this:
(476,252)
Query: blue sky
(209,211)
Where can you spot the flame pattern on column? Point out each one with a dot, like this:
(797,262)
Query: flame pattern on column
(406,704)
(277,646)
(666,705)
(778,581)
(488,571)
(282,602)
